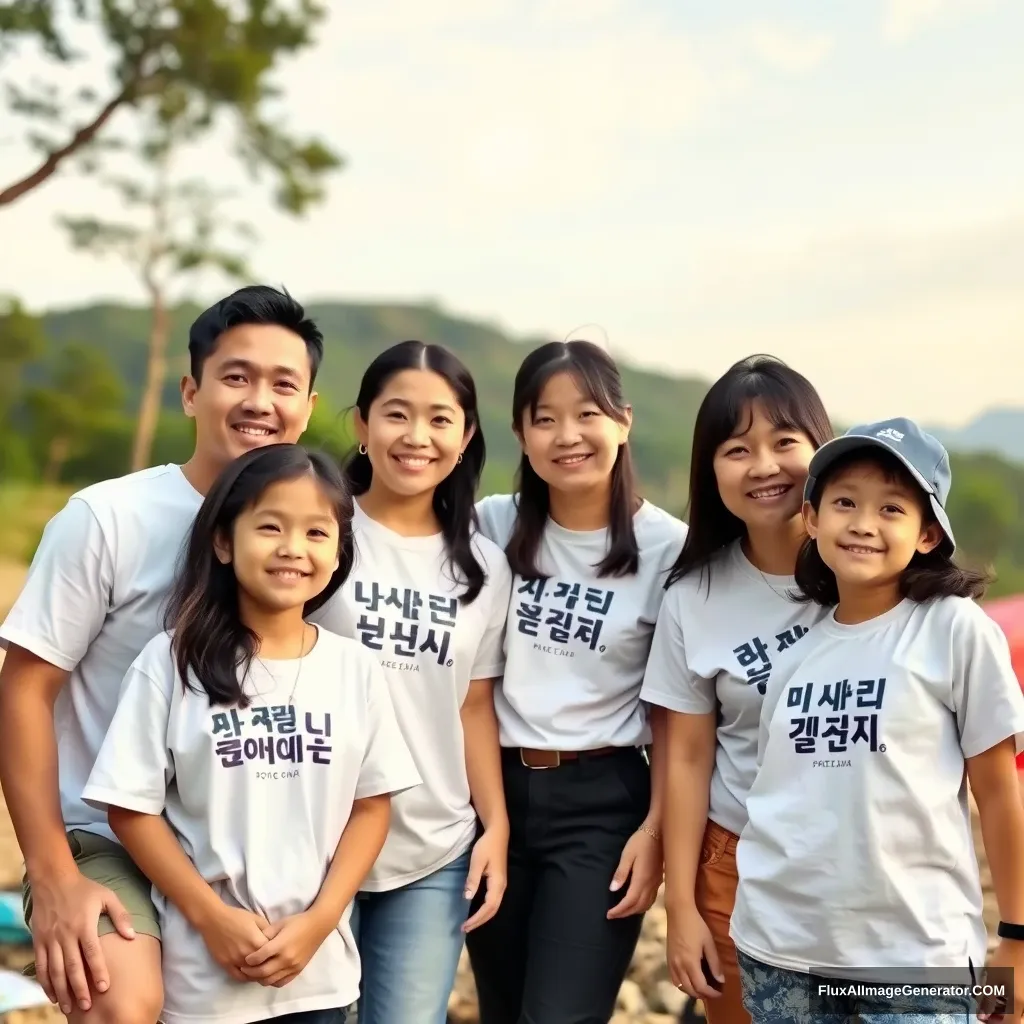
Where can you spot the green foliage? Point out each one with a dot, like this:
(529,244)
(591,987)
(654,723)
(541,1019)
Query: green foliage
(170,60)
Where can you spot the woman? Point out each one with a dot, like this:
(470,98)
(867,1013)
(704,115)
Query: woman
(590,559)
(429,596)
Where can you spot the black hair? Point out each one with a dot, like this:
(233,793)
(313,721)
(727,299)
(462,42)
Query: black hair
(253,304)
(790,401)
(598,377)
(928,576)
(455,496)
(208,636)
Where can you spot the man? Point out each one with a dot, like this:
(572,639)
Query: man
(94,597)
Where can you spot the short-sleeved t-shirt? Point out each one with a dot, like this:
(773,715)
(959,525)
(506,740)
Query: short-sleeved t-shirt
(401,602)
(94,597)
(858,853)
(258,798)
(714,650)
(576,643)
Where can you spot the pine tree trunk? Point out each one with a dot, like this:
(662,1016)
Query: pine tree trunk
(156,371)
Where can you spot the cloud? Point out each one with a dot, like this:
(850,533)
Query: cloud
(904,19)
(792,51)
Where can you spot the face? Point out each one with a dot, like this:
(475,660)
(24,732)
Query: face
(284,549)
(868,527)
(761,471)
(414,433)
(570,442)
(254,391)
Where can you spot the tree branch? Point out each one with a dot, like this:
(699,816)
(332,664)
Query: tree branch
(81,138)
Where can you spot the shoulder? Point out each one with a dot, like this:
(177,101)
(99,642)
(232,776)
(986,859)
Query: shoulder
(961,619)
(656,528)
(497,514)
(490,554)
(156,662)
(111,494)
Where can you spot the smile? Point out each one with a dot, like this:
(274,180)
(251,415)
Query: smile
(860,549)
(288,574)
(767,493)
(413,461)
(573,460)
(250,430)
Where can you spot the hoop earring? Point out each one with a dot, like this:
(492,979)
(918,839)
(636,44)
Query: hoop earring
(362,449)
(459,459)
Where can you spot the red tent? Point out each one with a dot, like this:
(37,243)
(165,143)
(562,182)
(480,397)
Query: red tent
(1009,613)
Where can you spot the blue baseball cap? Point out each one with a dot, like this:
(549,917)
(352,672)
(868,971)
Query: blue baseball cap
(924,457)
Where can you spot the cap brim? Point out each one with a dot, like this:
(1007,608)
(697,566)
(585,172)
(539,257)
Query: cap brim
(834,449)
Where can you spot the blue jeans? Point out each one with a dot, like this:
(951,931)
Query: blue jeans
(409,942)
(773,995)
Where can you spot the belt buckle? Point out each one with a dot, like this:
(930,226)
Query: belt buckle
(540,767)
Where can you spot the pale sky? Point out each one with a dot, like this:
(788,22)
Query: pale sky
(839,184)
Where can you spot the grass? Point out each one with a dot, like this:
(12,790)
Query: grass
(24,511)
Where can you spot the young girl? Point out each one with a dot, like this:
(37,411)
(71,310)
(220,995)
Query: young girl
(249,766)
(857,863)
(590,559)
(728,617)
(428,598)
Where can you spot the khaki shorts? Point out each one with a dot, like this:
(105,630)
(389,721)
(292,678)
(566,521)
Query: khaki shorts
(108,863)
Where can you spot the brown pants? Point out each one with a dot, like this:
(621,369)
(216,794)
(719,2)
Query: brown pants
(716,897)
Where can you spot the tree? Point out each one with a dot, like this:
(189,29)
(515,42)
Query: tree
(175,232)
(85,396)
(219,54)
(22,340)
(982,513)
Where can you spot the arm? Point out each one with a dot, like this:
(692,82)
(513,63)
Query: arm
(159,856)
(359,846)
(689,762)
(28,766)
(483,755)
(658,753)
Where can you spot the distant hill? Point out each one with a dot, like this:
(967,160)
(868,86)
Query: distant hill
(665,407)
(994,432)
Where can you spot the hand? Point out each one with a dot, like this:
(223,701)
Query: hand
(292,943)
(489,860)
(690,941)
(642,863)
(231,935)
(1009,953)
(65,937)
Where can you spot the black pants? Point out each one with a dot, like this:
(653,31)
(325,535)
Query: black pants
(550,955)
(310,1017)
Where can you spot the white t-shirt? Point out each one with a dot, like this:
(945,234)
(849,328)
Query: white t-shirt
(715,651)
(94,597)
(258,798)
(401,602)
(858,851)
(576,643)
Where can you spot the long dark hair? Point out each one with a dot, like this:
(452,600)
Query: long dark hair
(790,401)
(455,496)
(209,637)
(928,576)
(597,377)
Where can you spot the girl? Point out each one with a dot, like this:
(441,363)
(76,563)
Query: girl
(589,559)
(857,863)
(249,766)
(726,619)
(428,597)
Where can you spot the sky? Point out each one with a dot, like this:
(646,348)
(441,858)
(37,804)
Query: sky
(841,185)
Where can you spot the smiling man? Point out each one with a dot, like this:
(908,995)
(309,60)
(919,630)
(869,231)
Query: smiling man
(94,597)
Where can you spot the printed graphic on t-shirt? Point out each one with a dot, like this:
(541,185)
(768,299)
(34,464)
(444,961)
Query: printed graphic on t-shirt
(828,731)
(421,624)
(272,738)
(754,659)
(551,612)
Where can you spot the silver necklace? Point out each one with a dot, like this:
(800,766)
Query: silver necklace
(298,673)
